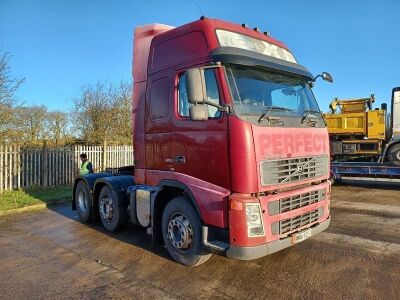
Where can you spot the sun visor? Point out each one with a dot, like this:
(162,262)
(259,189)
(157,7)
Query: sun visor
(250,58)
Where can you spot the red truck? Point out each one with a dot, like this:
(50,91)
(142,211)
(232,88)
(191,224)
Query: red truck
(231,149)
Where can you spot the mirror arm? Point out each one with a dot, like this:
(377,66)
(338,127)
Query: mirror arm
(325,76)
(315,78)
(226,108)
(222,108)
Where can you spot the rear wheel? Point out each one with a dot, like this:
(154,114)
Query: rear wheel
(82,201)
(113,214)
(394,154)
(181,230)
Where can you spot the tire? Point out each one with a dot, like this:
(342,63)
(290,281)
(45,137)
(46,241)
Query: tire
(82,201)
(394,154)
(113,214)
(181,230)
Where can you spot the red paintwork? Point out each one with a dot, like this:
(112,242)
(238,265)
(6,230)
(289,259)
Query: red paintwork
(222,155)
(242,157)
(142,42)
(276,143)
(211,199)
(238,220)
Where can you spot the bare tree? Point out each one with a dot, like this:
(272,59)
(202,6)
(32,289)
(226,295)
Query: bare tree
(122,113)
(102,113)
(57,127)
(31,124)
(8,87)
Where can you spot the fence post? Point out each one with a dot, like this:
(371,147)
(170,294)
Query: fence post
(104,155)
(5,168)
(19,160)
(44,171)
(1,169)
(77,151)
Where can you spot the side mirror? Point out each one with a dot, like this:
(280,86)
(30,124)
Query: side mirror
(327,77)
(196,86)
(198,112)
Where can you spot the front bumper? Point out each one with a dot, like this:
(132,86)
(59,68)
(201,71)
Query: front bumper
(254,252)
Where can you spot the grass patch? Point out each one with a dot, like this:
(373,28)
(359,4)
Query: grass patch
(21,198)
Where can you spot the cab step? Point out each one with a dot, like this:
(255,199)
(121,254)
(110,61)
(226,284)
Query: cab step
(216,246)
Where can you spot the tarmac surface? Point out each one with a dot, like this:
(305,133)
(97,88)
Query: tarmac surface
(49,254)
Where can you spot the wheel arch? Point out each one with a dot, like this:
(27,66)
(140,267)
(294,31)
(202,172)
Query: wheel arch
(168,190)
(177,185)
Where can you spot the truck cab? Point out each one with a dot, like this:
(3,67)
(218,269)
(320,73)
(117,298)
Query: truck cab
(231,149)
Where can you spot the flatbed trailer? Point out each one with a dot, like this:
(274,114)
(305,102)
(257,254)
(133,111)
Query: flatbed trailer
(365,170)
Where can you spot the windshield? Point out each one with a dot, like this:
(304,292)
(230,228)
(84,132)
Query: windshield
(256,90)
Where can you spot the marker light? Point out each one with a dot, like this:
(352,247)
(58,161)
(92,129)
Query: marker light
(234,39)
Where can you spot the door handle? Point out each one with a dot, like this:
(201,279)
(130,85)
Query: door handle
(179,159)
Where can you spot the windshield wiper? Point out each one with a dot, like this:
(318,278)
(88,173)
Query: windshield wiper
(308,111)
(265,114)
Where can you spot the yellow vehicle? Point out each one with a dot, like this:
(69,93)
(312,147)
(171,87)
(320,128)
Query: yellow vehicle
(356,130)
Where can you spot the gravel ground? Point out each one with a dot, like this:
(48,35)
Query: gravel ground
(49,254)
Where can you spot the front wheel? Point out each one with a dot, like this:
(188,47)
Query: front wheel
(113,214)
(394,154)
(181,230)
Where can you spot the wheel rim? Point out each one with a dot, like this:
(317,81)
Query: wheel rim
(180,232)
(106,208)
(82,201)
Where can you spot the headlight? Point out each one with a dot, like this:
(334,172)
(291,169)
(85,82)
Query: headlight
(255,225)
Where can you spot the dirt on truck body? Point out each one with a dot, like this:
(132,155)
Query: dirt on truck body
(51,254)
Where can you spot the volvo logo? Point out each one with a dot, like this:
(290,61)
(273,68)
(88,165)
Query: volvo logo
(299,169)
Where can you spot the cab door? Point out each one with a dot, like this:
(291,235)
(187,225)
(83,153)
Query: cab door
(200,148)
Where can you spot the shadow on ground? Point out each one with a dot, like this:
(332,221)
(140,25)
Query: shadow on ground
(129,234)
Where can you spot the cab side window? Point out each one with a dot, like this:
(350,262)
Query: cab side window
(212,95)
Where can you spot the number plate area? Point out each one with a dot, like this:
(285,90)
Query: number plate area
(301,236)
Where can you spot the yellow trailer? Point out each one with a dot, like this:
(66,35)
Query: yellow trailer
(355,129)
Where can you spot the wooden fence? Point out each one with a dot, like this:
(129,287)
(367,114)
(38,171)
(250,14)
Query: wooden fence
(40,167)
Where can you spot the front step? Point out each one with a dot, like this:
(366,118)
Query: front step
(213,246)
(216,246)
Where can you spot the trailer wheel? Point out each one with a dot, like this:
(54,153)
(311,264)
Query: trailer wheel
(181,230)
(82,201)
(112,213)
(394,154)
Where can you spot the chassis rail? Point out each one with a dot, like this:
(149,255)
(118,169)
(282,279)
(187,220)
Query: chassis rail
(364,169)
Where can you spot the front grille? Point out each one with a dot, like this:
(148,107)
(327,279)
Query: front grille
(291,224)
(293,169)
(295,202)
